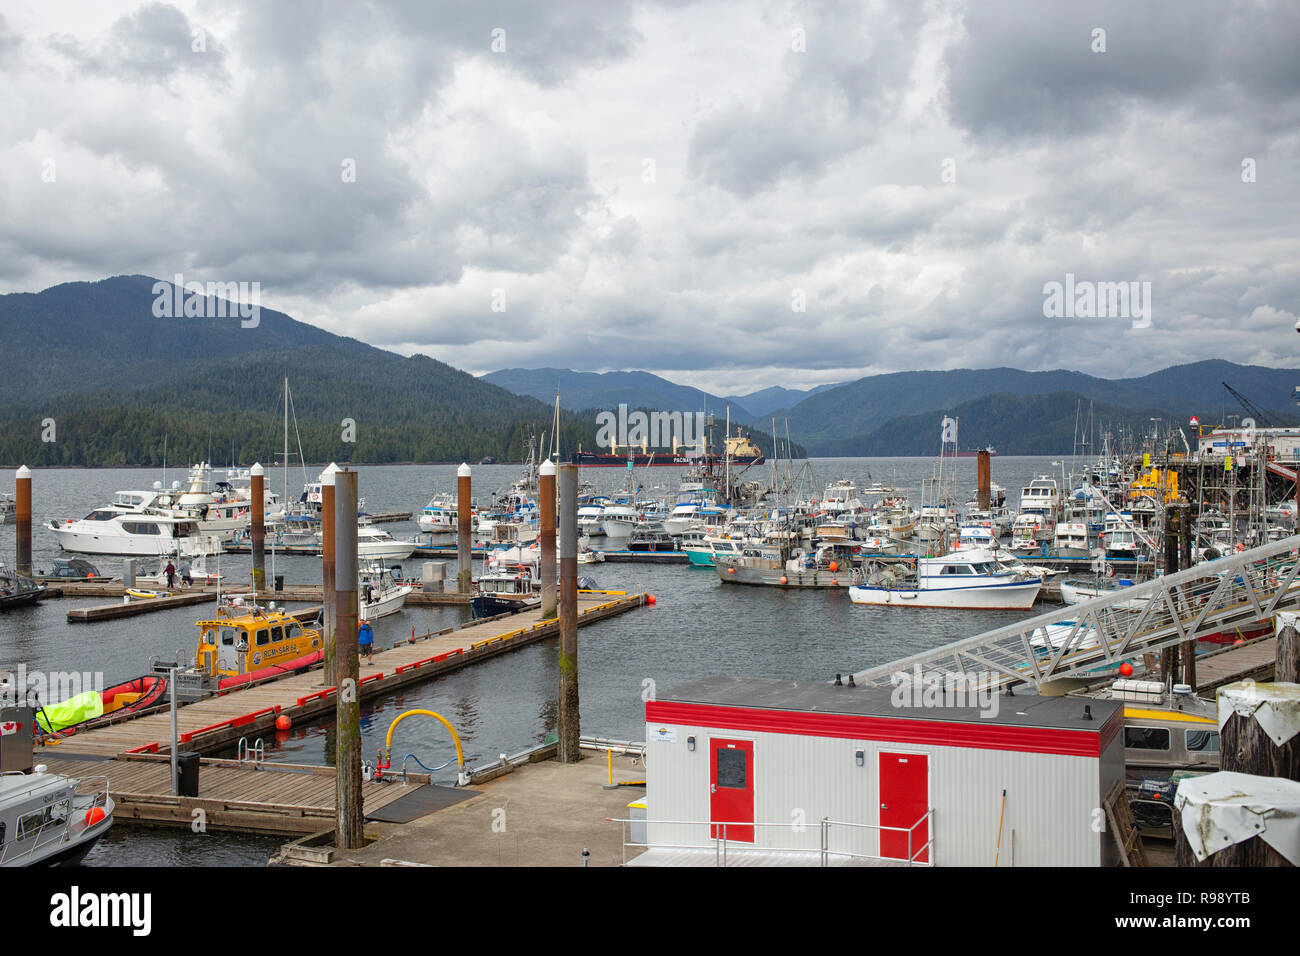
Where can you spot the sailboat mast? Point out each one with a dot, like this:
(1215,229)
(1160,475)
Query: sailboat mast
(285,459)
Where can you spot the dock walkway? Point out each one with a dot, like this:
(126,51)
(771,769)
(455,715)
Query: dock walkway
(218,722)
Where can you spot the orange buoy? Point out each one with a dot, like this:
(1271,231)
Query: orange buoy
(784,579)
(835,565)
(283,722)
(94,815)
(650,599)
(731,570)
(835,581)
(1126,669)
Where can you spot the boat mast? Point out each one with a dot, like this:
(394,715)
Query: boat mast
(285,460)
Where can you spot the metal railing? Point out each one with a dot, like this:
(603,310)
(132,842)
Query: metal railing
(720,843)
(1215,596)
(20,846)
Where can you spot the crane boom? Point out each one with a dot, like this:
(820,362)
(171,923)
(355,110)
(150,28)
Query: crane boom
(1256,412)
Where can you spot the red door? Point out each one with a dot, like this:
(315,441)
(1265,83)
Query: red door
(904,799)
(731,788)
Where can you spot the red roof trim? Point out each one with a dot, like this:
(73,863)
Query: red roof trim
(895,730)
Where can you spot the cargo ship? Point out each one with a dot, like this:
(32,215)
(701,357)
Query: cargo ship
(739,448)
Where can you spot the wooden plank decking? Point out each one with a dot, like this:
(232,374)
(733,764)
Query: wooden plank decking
(266,797)
(218,722)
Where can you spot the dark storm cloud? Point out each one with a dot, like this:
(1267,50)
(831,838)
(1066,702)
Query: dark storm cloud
(743,194)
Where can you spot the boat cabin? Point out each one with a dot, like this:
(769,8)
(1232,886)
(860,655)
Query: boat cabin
(244,638)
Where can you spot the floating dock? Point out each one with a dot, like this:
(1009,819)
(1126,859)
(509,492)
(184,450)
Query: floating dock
(218,722)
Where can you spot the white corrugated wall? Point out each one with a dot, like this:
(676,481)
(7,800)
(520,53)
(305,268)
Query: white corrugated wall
(1050,808)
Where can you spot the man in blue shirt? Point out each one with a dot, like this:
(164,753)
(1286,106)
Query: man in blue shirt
(366,641)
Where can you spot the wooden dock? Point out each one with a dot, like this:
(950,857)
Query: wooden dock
(133,607)
(218,722)
(1253,660)
(243,795)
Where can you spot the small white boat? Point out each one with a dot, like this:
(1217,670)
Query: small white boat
(439,515)
(380,593)
(964,579)
(374,542)
(44,821)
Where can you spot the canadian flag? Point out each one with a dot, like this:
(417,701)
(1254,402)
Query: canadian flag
(10,727)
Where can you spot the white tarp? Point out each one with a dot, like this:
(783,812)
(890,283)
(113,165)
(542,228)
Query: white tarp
(1222,809)
(1275,707)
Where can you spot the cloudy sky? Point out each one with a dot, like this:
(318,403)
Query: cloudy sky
(731,194)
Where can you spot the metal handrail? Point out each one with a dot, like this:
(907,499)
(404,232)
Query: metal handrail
(1213,596)
(720,844)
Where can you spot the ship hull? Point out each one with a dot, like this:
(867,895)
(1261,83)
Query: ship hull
(586,459)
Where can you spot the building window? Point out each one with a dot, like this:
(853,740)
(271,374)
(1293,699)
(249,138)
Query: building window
(731,769)
(1146,738)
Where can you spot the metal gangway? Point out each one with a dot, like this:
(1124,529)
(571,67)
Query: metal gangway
(1089,639)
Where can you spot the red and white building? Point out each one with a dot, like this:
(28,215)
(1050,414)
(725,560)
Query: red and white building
(796,772)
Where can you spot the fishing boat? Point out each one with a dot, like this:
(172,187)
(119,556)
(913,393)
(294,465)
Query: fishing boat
(964,579)
(439,515)
(17,590)
(8,515)
(381,591)
(778,565)
(702,553)
(45,821)
(505,588)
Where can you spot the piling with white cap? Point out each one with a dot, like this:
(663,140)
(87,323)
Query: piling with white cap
(546,491)
(464,572)
(258,530)
(329,609)
(23,514)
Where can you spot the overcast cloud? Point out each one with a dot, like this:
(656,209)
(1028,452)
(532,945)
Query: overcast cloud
(656,185)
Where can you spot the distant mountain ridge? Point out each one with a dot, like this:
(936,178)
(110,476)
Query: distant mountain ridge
(856,418)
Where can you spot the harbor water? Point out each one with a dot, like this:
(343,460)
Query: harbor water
(698,627)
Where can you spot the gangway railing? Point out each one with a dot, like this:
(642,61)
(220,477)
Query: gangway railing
(836,839)
(1091,637)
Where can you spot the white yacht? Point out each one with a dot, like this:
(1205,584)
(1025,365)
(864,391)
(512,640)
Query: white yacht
(114,531)
(374,542)
(964,579)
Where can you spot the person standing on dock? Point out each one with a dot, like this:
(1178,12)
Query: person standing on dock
(366,641)
(186,578)
(170,571)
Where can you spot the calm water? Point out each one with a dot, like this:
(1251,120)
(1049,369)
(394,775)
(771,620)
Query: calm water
(698,628)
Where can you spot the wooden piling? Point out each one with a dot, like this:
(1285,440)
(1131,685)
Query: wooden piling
(258,529)
(546,490)
(328,607)
(569,722)
(464,524)
(983,478)
(347,763)
(23,516)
